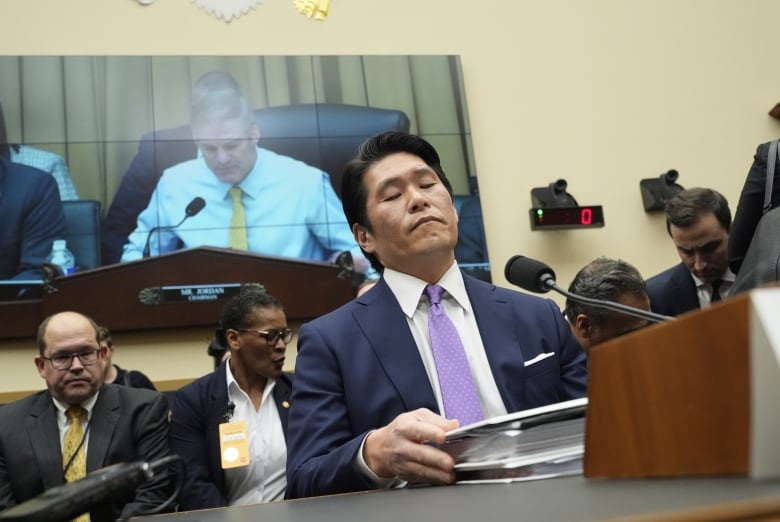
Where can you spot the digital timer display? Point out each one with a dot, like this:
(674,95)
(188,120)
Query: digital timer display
(568,217)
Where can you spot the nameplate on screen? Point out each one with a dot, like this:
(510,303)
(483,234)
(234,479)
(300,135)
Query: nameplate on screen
(193,293)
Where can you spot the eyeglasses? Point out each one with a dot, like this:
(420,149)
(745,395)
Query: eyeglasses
(64,361)
(272,336)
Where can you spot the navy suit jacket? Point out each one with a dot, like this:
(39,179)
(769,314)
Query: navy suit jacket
(198,410)
(358,368)
(673,292)
(127,425)
(31,218)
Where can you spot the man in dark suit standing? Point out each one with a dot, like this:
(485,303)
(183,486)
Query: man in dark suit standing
(249,389)
(698,221)
(373,390)
(31,218)
(79,424)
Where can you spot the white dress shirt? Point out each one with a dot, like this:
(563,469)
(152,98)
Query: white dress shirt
(704,290)
(263,480)
(409,291)
(63,421)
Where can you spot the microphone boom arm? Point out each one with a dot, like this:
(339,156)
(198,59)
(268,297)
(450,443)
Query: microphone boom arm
(195,206)
(549,282)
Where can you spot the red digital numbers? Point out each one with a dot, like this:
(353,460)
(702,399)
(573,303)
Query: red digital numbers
(586,216)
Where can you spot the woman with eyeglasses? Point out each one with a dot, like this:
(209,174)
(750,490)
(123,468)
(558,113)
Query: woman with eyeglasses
(230,426)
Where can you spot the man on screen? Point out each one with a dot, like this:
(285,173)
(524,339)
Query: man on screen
(255,199)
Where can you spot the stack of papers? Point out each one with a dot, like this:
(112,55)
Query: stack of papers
(543,442)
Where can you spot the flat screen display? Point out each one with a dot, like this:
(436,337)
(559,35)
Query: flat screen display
(119,130)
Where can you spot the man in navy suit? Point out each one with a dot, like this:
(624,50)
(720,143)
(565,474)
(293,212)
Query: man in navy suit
(367,409)
(31,218)
(698,221)
(248,387)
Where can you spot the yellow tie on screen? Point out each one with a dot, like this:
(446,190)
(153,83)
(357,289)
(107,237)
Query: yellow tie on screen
(238,222)
(74,451)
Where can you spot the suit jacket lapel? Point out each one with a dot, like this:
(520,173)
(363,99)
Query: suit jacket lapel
(688,297)
(44,434)
(384,325)
(102,425)
(218,397)
(495,322)
(217,409)
(281,396)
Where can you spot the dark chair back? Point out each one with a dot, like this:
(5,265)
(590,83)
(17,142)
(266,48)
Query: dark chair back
(324,135)
(83,219)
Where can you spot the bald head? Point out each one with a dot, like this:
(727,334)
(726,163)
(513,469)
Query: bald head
(71,358)
(214,82)
(64,321)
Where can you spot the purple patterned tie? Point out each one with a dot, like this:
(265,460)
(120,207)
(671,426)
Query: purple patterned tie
(458,392)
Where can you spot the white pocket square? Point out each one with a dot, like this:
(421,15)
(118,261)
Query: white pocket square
(540,357)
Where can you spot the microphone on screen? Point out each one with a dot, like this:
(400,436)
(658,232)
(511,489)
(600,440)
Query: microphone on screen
(194,206)
(535,276)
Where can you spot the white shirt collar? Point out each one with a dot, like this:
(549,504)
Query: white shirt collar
(727,276)
(408,289)
(88,404)
(234,388)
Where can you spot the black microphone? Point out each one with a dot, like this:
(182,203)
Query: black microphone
(70,500)
(529,274)
(229,409)
(535,276)
(195,206)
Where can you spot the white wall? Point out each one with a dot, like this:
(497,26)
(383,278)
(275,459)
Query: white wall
(600,92)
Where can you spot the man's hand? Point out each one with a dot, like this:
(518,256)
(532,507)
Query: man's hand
(400,450)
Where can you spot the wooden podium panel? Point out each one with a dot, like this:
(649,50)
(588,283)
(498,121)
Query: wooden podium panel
(673,399)
(694,396)
(110,294)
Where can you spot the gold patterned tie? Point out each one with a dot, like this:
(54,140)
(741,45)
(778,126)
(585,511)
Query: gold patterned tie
(74,451)
(237,238)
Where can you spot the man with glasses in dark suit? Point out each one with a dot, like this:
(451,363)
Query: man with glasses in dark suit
(79,424)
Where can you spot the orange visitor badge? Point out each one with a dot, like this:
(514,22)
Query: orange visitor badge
(234,444)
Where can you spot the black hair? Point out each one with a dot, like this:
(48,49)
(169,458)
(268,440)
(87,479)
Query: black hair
(238,310)
(217,347)
(607,280)
(373,150)
(686,207)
